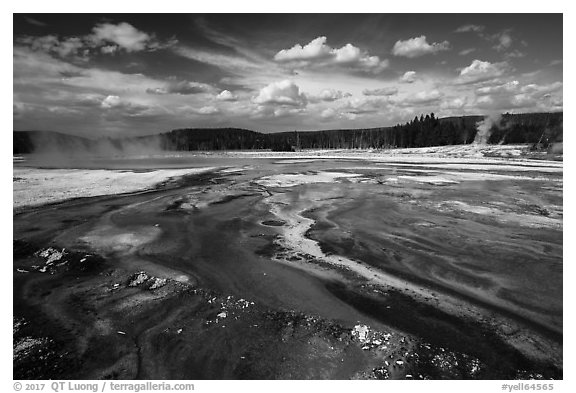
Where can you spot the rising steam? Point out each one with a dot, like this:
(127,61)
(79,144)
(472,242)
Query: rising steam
(484,128)
(54,149)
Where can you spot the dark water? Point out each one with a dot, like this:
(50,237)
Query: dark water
(225,242)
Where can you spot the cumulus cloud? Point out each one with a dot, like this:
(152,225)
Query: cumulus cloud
(111,102)
(512,95)
(106,38)
(285,92)
(408,77)
(384,91)
(470,28)
(315,49)
(347,54)
(418,46)
(479,71)
(317,52)
(226,95)
(124,35)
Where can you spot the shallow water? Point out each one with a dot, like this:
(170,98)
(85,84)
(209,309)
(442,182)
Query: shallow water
(486,249)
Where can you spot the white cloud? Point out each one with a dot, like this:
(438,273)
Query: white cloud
(208,110)
(226,95)
(422,98)
(72,46)
(123,34)
(470,28)
(329,95)
(181,88)
(35,22)
(466,51)
(484,102)
(384,91)
(69,46)
(418,46)
(512,95)
(111,102)
(479,71)
(106,38)
(408,77)
(284,92)
(508,87)
(522,100)
(315,49)
(116,106)
(237,65)
(328,113)
(109,49)
(504,41)
(270,111)
(454,103)
(542,89)
(317,52)
(347,54)
(515,54)
(350,115)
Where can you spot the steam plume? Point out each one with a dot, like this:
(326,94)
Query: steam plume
(484,128)
(53,149)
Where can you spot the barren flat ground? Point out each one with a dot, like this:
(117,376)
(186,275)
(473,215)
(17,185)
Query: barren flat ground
(437,263)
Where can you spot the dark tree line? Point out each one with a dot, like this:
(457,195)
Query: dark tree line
(543,128)
(214,139)
(423,131)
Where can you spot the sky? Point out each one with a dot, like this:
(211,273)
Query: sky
(120,75)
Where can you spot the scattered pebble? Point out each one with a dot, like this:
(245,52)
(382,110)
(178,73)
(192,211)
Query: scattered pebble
(157,283)
(142,277)
(138,279)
